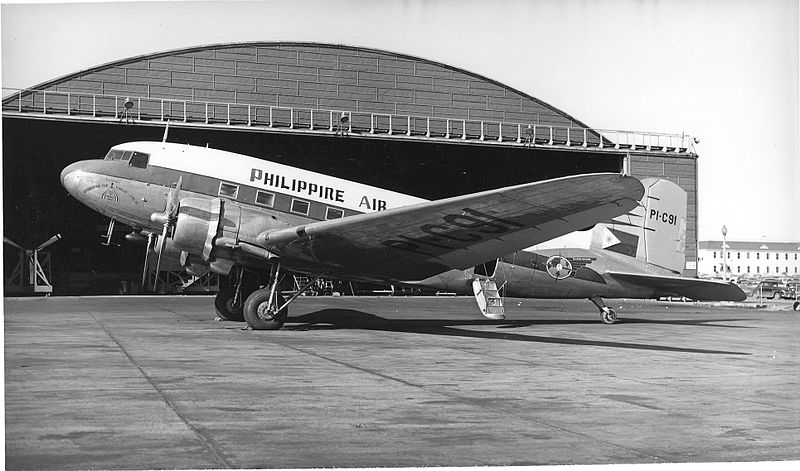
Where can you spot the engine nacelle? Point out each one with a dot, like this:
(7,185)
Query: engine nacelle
(196,226)
(206,230)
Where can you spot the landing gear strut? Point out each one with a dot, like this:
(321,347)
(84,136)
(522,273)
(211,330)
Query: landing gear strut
(607,315)
(265,308)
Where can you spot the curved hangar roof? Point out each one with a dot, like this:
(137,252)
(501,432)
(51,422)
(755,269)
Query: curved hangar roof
(305,75)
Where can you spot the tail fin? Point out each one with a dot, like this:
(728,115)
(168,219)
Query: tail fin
(654,232)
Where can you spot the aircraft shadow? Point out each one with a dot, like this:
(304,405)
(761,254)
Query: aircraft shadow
(357,320)
(698,322)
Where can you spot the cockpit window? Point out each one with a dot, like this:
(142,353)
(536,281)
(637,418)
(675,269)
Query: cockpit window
(114,154)
(139,160)
(134,159)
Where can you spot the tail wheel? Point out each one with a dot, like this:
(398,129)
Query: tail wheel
(796,306)
(260,313)
(608,315)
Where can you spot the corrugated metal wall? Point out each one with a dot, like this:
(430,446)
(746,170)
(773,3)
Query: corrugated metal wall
(318,77)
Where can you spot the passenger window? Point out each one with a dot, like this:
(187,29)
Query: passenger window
(265,199)
(228,190)
(138,159)
(300,207)
(334,213)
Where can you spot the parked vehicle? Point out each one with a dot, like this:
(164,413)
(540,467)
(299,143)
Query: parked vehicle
(768,289)
(790,291)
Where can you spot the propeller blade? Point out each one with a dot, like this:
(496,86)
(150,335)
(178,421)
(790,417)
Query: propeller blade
(163,241)
(12,243)
(174,199)
(49,242)
(146,260)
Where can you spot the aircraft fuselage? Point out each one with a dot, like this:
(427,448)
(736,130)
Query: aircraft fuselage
(134,181)
(525,275)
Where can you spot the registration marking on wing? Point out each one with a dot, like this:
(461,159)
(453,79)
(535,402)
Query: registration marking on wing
(454,230)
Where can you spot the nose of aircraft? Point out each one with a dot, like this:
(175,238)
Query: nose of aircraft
(70,177)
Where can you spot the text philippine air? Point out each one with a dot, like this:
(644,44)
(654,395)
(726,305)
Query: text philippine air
(299,186)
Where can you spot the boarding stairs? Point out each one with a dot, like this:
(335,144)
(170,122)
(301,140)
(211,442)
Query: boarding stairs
(487,294)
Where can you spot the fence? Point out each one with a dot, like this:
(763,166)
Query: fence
(126,108)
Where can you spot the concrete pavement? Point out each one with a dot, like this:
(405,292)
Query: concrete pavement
(155,382)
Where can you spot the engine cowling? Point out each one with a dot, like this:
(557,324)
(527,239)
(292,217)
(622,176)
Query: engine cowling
(196,226)
(207,230)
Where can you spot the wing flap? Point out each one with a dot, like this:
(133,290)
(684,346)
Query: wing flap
(418,241)
(692,288)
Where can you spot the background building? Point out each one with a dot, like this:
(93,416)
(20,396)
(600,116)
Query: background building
(756,259)
(385,119)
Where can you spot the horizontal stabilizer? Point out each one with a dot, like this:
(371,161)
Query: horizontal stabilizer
(692,288)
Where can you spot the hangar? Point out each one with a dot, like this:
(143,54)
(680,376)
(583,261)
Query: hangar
(381,118)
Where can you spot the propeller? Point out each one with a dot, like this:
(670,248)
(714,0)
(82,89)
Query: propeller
(169,216)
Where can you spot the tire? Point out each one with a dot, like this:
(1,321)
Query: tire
(796,306)
(256,303)
(223,303)
(608,316)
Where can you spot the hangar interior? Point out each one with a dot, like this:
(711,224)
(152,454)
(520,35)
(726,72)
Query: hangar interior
(385,119)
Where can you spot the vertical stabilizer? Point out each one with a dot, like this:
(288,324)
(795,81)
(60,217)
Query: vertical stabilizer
(653,233)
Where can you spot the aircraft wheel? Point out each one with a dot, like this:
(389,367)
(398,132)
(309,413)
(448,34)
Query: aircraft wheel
(225,307)
(796,306)
(259,314)
(609,316)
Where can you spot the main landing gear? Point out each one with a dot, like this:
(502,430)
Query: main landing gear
(265,309)
(607,315)
(241,299)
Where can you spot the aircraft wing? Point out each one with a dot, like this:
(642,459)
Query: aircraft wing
(692,288)
(418,241)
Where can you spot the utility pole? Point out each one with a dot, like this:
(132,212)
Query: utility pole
(724,254)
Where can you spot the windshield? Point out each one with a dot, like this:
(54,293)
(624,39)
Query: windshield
(134,158)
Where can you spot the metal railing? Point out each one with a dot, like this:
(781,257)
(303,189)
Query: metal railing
(120,107)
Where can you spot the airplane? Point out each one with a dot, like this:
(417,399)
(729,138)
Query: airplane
(638,255)
(254,221)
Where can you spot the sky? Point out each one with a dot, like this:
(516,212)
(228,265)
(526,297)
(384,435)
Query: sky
(724,71)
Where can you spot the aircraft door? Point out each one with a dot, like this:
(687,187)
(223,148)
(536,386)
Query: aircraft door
(486,269)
